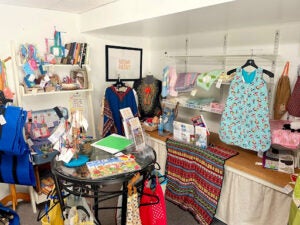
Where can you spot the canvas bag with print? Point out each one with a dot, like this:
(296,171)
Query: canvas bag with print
(293,106)
(283,93)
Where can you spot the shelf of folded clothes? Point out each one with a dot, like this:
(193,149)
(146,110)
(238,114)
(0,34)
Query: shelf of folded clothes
(202,104)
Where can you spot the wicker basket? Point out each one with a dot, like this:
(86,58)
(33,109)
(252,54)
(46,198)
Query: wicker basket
(149,128)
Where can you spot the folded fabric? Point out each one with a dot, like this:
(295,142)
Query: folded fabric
(185,81)
(205,80)
(11,138)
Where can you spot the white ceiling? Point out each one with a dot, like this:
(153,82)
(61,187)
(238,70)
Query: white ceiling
(70,6)
(236,14)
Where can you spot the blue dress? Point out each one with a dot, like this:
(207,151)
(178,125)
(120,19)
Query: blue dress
(245,120)
(114,101)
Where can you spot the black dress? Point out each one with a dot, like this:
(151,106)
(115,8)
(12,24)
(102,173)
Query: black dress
(149,94)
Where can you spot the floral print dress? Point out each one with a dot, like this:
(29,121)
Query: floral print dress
(245,120)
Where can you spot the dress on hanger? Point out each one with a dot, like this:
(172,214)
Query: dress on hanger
(245,120)
(114,101)
(148,90)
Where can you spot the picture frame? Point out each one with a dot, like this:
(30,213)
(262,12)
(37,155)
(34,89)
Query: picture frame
(80,77)
(123,63)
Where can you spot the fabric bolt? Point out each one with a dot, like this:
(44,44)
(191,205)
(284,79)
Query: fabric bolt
(195,178)
(114,101)
(185,82)
(205,80)
(245,119)
(12,139)
(149,93)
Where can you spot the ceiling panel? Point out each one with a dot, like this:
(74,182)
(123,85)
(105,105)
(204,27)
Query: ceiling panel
(70,6)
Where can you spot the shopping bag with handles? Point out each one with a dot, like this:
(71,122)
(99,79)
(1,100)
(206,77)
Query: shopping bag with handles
(283,93)
(293,106)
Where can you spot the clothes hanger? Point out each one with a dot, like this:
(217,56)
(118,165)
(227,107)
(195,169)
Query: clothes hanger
(251,62)
(119,83)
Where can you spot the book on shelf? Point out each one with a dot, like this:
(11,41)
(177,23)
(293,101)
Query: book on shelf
(113,143)
(112,166)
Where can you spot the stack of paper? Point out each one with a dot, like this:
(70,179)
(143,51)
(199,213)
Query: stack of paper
(113,143)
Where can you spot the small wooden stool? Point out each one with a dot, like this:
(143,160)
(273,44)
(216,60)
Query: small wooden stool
(14,196)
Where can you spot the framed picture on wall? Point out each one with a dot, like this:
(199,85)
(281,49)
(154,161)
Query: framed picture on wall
(123,63)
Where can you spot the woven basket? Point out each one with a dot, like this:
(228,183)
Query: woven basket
(149,128)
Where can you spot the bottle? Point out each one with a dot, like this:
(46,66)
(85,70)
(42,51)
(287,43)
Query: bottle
(160,127)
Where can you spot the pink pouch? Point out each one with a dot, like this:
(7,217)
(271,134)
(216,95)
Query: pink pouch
(285,138)
(8,93)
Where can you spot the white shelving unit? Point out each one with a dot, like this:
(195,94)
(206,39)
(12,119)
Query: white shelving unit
(36,100)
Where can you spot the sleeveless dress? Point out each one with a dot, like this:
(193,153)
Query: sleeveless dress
(245,120)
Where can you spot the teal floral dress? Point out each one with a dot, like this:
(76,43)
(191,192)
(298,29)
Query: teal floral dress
(245,120)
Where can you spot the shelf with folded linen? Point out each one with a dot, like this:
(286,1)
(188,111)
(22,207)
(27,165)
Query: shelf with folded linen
(202,104)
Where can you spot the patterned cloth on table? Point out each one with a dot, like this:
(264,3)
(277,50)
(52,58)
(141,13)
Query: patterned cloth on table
(195,178)
(245,119)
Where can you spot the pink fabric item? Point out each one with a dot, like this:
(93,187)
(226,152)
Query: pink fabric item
(172,82)
(285,138)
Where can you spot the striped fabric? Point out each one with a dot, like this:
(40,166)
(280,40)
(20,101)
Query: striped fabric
(195,178)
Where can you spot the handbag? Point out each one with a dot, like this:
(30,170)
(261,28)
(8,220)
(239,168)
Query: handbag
(293,106)
(153,206)
(283,93)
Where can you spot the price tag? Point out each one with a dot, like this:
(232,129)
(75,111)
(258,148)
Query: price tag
(193,92)
(65,155)
(219,83)
(2,120)
(31,77)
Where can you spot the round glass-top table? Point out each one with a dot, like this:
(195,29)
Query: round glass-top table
(78,181)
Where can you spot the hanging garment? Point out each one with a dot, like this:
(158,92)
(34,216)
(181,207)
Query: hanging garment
(283,93)
(114,101)
(11,132)
(17,169)
(293,106)
(148,90)
(245,119)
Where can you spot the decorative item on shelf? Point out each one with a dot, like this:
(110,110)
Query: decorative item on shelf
(168,117)
(80,77)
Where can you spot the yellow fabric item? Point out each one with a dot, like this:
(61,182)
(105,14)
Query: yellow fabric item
(294,217)
(54,216)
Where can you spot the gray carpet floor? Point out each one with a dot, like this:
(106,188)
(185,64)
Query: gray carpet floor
(175,215)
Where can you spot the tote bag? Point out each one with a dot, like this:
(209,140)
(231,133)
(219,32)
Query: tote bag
(293,106)
(153,206)
(283,93)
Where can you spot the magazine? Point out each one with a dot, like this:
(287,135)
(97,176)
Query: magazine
(126,116)
(138,134)
(112,166)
